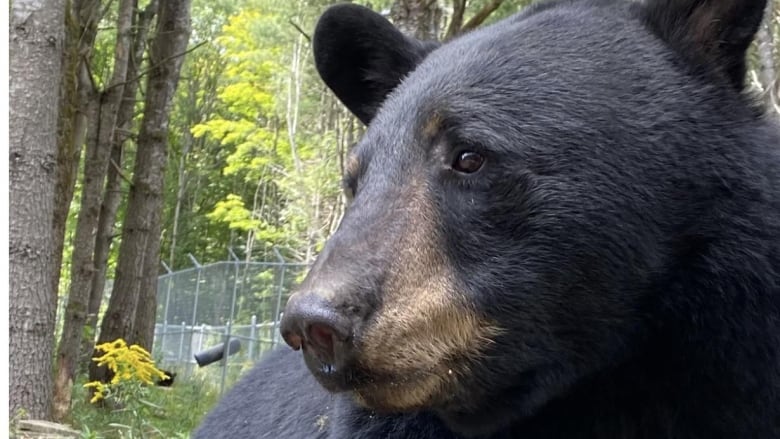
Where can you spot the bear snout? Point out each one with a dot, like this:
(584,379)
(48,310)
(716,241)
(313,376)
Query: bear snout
(311,324)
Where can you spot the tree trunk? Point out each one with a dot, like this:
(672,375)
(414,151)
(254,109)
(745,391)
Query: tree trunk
(82,262)
(418,18)
(113,192)
(146,308)
(140,247)
(76,92)
(456,25)
(36,42)
(181,179)
(293,100)
(105,235)
(482,15)
(456,20)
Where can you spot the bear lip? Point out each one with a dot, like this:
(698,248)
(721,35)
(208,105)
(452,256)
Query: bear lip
(358,381)
(342,376)
(330,375)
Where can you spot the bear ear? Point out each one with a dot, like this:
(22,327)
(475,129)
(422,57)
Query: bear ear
(362,57)
(715,33)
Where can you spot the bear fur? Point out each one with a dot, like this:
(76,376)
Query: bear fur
(609,267)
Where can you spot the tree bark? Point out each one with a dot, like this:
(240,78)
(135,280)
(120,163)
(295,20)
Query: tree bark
(105,236)
(36,42)
(76,92)
(417,18)
(456,20)
(422,18)
(139,250)
(82,262)
(113,192)
(146,308)
(456,25)
(481,15)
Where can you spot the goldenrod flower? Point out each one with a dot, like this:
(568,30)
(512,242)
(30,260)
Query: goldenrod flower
(127,363)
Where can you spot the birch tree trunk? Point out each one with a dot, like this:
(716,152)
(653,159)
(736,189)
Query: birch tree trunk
(35,47)
(95,169)
(188,142)
(135,283)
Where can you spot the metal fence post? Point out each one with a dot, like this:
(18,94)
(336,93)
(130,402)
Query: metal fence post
(164,334)
(276,334)
(279,292)
(199,269)
(202,331)
(252,340)
(230,319)
(194,319)
(181,341)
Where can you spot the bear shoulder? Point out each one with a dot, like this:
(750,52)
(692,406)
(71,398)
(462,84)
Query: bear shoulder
(278,398)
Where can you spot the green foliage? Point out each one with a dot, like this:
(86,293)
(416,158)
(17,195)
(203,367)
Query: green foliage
(14,430)
(131,406)
(281,167)
(233,212)
(166,412)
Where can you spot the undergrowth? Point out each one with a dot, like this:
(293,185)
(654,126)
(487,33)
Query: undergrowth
(132,406)
(160,412)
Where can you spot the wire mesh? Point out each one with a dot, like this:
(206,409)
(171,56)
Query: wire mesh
(207,305)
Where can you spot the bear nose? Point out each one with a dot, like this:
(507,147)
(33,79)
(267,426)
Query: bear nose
(309,322)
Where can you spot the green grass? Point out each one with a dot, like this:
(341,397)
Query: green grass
(156,412)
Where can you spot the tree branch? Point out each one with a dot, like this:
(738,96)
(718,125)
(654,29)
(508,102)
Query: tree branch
(305,35)
(456,21)
(150,68)
(481,15)
(121,173)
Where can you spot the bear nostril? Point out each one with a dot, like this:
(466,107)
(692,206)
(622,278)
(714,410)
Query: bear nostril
(312,324)
(321,337)
(294,340)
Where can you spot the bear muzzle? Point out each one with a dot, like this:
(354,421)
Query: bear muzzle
(324,335)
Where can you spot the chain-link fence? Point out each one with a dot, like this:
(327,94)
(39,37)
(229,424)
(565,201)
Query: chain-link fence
(202,307)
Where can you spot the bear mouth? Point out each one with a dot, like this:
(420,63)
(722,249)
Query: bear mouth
(384,392)
(343,376)
(334,377)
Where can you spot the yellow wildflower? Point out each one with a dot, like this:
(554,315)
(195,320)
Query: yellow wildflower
(127,364)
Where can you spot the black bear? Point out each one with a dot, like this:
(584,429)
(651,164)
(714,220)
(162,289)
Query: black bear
(564,225)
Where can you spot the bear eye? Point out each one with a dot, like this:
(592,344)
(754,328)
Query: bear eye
(468,162)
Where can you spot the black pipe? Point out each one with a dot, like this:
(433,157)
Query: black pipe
(211,355)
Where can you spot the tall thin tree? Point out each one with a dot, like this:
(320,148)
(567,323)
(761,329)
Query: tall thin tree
(77,95)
